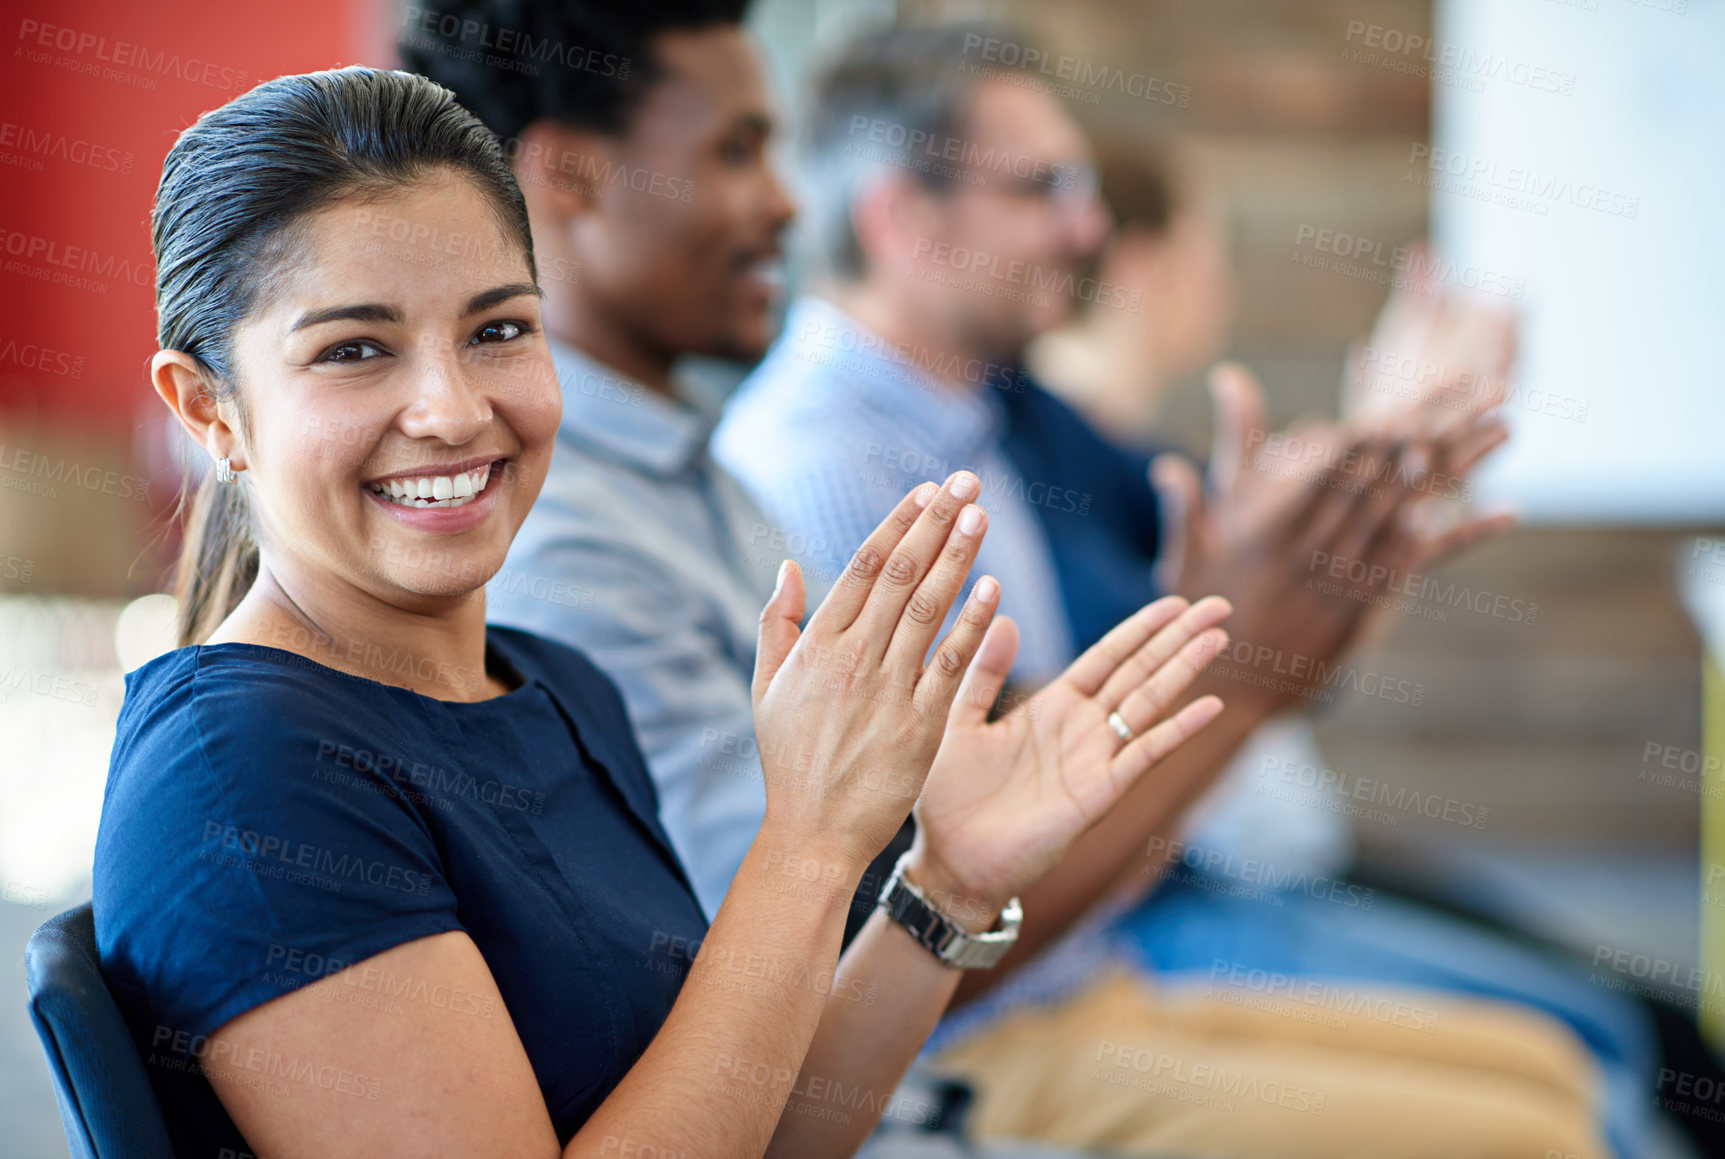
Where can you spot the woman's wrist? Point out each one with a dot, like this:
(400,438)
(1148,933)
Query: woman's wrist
(791,860)
(967,907)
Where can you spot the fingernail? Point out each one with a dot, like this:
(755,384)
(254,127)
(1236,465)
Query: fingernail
(965,486)
(970,520)
(779,584)
(987,589)
(924,495)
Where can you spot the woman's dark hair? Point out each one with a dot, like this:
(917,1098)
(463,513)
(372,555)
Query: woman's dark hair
(235,188)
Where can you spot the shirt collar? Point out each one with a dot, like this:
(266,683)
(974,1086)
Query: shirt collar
(897,378)
(611,414)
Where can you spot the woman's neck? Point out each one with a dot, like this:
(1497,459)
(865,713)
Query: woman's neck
(437,650)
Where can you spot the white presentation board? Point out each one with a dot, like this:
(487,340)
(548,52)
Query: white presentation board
(1581,146)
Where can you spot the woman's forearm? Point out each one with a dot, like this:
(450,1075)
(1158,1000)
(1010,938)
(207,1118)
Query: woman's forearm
(716,1077)
(862,1048)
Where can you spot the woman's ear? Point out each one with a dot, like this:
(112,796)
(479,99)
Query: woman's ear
(180,383)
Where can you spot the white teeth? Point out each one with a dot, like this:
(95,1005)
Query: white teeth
(435,490)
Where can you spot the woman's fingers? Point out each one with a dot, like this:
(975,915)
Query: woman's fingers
(1149,747)
(1091,671)
(1146,703)
(1150,656)
(925,611)
(842,605)
(936,688)
(779,632)
(987,674)
(923,575)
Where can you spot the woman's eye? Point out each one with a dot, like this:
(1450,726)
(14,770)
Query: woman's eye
(736,153)
(357,351)
(498,332)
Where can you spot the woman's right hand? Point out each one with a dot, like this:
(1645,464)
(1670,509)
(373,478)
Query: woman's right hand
(847,714)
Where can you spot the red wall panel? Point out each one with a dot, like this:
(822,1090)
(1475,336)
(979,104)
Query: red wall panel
(92,93)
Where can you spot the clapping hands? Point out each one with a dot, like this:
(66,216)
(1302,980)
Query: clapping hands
(1305,530)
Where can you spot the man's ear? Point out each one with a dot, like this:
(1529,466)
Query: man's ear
(181,384)
(560,170)
(895,218)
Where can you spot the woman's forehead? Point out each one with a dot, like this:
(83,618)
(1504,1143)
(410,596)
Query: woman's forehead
(430,243)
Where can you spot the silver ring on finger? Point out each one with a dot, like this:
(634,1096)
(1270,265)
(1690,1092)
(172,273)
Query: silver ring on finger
(1120,727)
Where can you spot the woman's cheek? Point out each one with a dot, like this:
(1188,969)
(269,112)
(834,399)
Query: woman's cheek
(548,411)
(337,439)
(534,418)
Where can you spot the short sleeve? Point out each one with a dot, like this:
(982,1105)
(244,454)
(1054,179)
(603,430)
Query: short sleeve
(237,860)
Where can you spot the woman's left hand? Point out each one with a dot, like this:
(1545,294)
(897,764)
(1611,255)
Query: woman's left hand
(1006,798)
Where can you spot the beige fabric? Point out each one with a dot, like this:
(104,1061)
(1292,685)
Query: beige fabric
(1305,1071)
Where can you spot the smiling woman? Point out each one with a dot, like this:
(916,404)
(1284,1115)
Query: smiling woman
(291,205)
(445,396)
(376,878)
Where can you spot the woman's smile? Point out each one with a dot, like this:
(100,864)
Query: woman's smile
(443,500)
(437,485)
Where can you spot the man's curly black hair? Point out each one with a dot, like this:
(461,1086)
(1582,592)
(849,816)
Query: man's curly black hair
(585,63)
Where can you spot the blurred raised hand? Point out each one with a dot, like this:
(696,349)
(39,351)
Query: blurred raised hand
(1438,349)
(1305,530)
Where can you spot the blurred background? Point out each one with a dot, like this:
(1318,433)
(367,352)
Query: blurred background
(1563,155)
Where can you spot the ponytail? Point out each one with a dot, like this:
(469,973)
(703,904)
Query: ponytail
(218,557)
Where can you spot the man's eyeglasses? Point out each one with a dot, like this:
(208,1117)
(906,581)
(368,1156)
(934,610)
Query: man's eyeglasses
(1072,186)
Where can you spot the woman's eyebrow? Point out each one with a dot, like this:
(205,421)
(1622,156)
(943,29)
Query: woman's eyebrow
(486,299)
(375,312)
(365,312)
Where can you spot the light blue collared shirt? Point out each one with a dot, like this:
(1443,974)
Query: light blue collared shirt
(645,555)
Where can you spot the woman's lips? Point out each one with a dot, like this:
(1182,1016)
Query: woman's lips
(454,512)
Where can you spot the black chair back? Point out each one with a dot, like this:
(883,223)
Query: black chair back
(106,1102)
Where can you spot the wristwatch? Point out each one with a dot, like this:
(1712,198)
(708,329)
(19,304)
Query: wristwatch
(945,939)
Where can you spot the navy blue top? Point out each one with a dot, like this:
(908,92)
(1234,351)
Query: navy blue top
(269,821)
(1103,554)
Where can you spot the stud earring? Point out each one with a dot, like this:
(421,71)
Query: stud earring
(225,471)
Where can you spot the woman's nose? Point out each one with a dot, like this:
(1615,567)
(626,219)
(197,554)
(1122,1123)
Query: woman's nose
(450,401)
